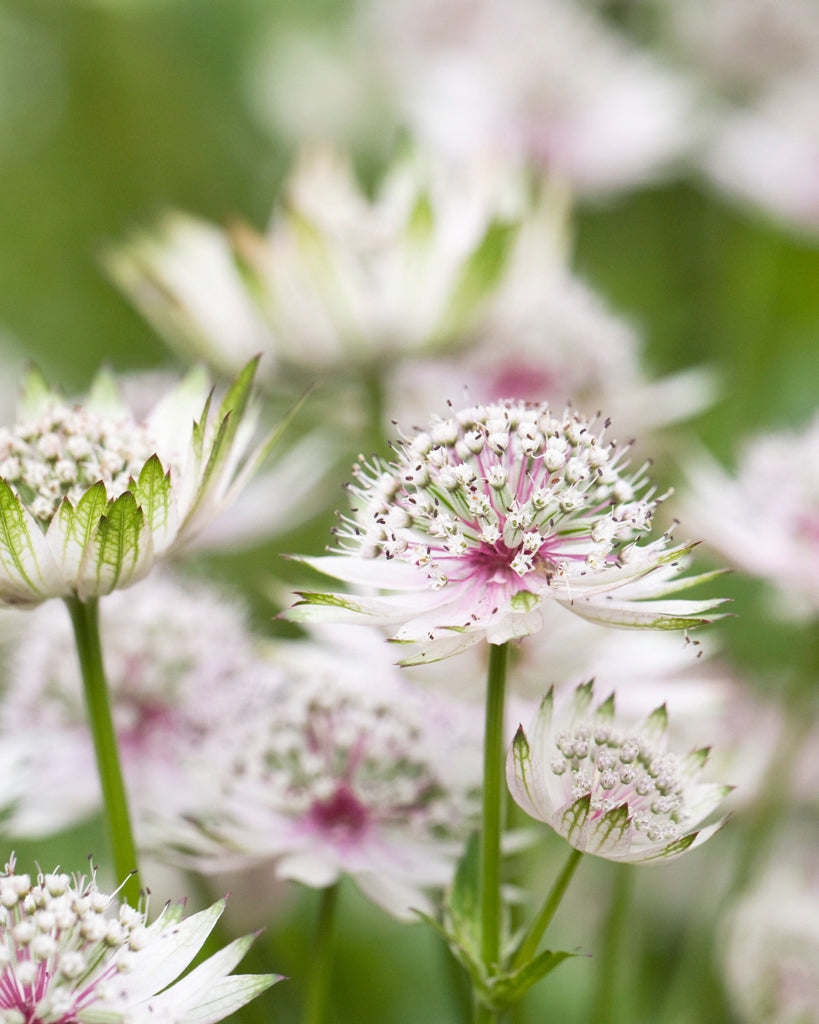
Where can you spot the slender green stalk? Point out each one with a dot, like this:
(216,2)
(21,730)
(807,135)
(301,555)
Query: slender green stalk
(528,946)
(322,957)
(492,801)
(85,620)
(608,985)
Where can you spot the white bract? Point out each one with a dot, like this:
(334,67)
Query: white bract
(340,281)
(617,793)
(488,514)
(90,498)
(70,954)
(344,770)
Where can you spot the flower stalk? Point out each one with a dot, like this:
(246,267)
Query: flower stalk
(322,957)
(528,946)
(85,620)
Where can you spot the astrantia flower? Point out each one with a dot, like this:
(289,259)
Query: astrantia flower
(349,770)
(178,658)
(70,954)
(617,793)
(489,513)
(90,498)
(340,281)
(765,517)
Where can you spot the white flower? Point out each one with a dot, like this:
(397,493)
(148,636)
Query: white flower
(615,793)
(178,657)
(90,498)
(488,514)
(542,80)
(766,154)
(340,281)
(770,947)
(765,517)
(70,954)
(345,770)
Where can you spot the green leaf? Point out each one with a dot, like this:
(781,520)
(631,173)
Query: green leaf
(507,989)
(464,904)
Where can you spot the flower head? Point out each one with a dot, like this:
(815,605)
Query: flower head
(90,498)
(70,954)
(619,794)
(349,770)
(487,514)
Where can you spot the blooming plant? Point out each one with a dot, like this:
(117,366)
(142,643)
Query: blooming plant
(488,514)
(614,792)
(71,954)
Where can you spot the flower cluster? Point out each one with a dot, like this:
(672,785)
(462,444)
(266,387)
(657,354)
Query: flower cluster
(615,793)
(90,498)
(71,954)
(488,513)
(345,769)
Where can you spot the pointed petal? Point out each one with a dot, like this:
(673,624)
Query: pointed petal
(71,529)
(28,571)
(153,493)
(372,572)
(609,833)
(35,395)
(223,997)
(119,552)
(525,780)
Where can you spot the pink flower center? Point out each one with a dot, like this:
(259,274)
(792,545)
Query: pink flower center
(341,813)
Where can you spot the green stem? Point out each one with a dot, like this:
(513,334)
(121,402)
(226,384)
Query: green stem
(85,620)
(610,973)
(492,799)
(322,957)
(530,942)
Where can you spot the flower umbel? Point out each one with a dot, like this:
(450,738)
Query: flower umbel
(90,498)
(70,954)
(488,513)
(613,792)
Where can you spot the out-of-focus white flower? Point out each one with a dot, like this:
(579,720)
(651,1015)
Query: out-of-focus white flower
(743,46)
(771,941)
(70,954)
(538,80)
(346,770)
(340,281)
(767,154)
(617,793)
(90,498)
(764,518)
(488,514)
(178,657)
(544,335)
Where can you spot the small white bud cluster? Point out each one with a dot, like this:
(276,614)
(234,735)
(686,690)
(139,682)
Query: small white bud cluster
(509,487)
(66,451)
(61,944)
(617,770)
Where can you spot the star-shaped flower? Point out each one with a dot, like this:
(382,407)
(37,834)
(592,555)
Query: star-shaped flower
(90,498)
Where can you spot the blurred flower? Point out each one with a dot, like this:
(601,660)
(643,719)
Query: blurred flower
(340,282)
(90,498)
(537,80)
(74,955)
(178,657)
(768,153)
(765,518)
(346,769)
(616,793)
(488,514)
(771,942)
(544,335)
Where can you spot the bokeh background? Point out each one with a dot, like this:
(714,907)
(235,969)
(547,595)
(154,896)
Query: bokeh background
(112,112)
